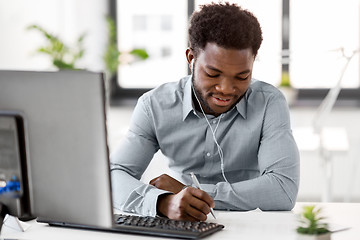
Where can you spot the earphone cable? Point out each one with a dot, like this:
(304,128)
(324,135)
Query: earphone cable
(220,151)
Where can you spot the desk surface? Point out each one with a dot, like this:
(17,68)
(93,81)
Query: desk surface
(238,225)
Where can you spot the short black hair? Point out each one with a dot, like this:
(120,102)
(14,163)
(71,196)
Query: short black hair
(227,25)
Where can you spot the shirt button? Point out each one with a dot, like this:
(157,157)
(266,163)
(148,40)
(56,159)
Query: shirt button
(214,122)
(208,154)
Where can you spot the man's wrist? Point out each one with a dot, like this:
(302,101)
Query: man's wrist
(162,203)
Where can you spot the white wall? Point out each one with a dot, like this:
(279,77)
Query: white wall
(65,18)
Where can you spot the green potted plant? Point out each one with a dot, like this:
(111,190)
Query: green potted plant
(62,55)
(312,225)
(287,89)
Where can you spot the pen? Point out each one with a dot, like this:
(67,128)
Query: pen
(197,184)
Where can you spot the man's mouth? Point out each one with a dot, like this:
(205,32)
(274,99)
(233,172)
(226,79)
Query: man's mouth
(221,101)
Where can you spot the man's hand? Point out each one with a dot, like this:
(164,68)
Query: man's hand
(167,183)
(189,204)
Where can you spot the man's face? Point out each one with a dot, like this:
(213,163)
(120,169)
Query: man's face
(221,76)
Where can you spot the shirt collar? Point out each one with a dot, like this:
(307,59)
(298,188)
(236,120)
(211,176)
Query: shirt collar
(243,103)
(188,105)
(187,100)
(241,106)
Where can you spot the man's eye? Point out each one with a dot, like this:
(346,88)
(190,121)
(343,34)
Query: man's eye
(212,76)
(242,79)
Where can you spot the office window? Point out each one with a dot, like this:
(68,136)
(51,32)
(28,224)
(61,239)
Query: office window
(318,29)
(166,22)
(160,27)
(139,23)
(66,19)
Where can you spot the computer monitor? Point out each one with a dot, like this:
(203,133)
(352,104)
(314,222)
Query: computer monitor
(64,127)
(66,143)
(14,189)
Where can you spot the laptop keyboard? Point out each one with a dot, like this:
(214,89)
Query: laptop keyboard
(166,227)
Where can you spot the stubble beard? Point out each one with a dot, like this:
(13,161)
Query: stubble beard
(201,101)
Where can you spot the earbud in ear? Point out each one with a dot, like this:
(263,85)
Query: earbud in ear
(192,64)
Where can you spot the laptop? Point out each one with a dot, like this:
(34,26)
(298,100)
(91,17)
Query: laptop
(64,117)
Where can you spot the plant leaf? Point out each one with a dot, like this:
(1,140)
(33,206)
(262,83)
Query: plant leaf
(140,53)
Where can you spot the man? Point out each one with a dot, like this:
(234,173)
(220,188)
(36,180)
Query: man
(232,131)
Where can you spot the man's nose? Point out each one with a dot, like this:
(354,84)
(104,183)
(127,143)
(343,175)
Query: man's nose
(225,86)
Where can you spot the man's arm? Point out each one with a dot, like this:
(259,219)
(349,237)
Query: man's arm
(277,186)
(129,162)
(278,158)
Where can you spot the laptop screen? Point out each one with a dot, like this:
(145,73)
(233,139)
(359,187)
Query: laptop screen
(66,143)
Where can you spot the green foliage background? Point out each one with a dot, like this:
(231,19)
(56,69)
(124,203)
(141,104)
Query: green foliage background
(62,55)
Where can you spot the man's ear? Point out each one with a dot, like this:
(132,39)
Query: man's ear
(189,55)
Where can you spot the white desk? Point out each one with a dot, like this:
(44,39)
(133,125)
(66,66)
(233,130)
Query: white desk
(238,225)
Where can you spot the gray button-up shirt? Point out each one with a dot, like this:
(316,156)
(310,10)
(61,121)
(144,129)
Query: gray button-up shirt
(261,159)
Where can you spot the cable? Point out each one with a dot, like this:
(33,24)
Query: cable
(220,151)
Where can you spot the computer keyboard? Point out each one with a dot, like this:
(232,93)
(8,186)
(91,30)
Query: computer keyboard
(165,227)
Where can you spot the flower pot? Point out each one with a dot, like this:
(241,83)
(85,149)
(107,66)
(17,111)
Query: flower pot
(325,236)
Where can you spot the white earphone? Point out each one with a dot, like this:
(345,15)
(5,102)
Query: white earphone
(213,131)
(192,65)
